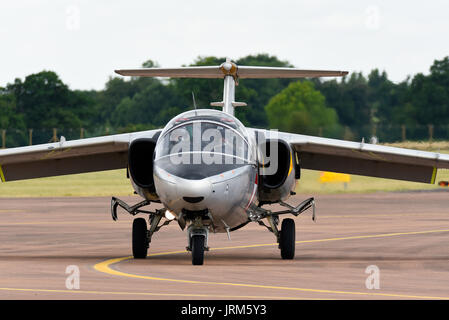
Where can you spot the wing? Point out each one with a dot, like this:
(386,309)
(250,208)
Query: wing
(365,159)
(68,157)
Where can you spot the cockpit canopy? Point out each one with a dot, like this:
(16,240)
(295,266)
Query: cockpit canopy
(204,115)
(204,131)
(201,143)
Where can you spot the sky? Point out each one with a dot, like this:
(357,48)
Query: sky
(85,41)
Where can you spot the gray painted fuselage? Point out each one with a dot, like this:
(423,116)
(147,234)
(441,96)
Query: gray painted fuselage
(225,192)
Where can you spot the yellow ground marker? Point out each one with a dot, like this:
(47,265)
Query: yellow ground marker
(333,177)
(2,176)
(105,267)
(434,175)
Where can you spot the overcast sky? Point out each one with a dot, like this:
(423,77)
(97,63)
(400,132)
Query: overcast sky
(84,41)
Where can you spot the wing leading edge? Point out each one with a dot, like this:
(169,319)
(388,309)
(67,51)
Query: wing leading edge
(68,157)
(365,159)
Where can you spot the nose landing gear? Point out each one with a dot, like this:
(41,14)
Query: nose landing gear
(198,236)
(197,243)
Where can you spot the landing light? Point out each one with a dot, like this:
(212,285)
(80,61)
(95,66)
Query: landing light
(169,215)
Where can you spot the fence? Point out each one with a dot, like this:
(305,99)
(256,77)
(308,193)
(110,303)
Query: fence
(383,133)
(388,133)
(18,137)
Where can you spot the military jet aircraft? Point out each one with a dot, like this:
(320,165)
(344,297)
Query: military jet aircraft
(210,173)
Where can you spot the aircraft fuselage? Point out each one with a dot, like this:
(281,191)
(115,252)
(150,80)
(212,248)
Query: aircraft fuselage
(206,165)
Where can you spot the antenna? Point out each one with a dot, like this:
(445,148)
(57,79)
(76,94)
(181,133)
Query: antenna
(194,102)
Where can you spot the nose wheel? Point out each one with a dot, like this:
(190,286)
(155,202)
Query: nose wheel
(198,250)
(197,235)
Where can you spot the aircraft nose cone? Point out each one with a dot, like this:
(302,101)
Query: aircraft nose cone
(194,191)
(193,199)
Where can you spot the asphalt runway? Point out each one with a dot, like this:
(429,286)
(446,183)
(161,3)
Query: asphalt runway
(405,235)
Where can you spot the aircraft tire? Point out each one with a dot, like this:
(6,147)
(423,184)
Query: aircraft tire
(287,239)
(140,238)
(198,250)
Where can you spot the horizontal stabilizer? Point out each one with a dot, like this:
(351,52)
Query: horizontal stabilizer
(242,72)
(184,72)
(267,72)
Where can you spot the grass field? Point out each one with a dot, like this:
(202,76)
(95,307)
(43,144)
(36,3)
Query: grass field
(109,183)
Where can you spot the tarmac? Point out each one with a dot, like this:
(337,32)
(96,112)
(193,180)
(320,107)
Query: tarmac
(362,246)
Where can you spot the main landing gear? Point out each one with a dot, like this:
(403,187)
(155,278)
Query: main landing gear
(286,236)
(197,232)
(140,239)
(287,239)
(141,236)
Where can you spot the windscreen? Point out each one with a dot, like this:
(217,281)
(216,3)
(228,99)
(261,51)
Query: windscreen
(203,142)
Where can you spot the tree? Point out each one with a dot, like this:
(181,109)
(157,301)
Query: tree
(430,94)
(257,92)
(11,120)
(300,108)
(205,90)
(46,102)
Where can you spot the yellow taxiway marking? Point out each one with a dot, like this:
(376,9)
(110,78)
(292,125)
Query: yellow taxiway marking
(374,215)
(105,267)
(145,293)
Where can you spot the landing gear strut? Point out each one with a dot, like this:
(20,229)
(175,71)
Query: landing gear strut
(286,237)
(141,236)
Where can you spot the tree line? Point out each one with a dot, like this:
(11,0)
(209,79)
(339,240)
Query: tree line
(354,107)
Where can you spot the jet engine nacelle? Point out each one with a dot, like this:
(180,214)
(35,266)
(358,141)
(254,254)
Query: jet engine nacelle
(280,169)
(140,166)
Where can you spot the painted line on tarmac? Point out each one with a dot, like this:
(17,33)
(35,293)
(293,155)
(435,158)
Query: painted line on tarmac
(102,221)
(75,291)
(49,223)
(376,215)
(105,267)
